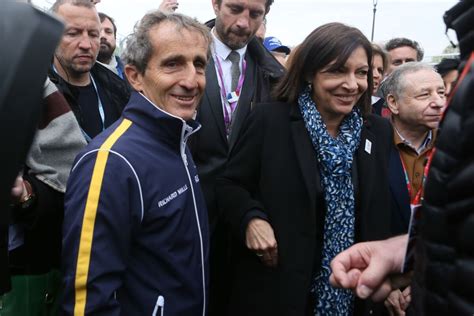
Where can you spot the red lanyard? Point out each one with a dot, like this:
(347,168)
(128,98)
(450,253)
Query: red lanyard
(418,196)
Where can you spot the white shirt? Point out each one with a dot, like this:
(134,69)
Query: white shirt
(112,65)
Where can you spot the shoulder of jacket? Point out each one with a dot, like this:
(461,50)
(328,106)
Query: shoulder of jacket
(265,60)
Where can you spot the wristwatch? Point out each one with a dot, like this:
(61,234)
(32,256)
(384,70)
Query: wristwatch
(30,197)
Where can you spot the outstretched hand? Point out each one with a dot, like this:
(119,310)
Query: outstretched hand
(366,268)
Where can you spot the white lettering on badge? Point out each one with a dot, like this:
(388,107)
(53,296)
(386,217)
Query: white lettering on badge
(173,196)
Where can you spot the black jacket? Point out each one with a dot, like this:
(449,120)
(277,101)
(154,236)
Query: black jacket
(444,261)
(273,168)
(210,147)
(43,220)
(444,283)
(111,86)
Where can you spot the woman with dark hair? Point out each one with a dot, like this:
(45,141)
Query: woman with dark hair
(307,179)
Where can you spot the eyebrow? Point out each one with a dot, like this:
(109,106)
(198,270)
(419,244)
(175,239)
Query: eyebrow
(175,57)
(201,59)
(428,89)
(180,58)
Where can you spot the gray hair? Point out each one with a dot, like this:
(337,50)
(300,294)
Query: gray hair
(78,3)
(402,42)
(139,48)
(394,84)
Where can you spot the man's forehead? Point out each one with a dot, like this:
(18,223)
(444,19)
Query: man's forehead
(170,31)
(165,34)
(252,4)
(72,14)
(403,51)
(423,79)
(107,24)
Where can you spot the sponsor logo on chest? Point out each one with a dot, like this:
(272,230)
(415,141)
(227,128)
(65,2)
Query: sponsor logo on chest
(173,196)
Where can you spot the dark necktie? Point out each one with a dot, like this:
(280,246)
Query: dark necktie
(234,58)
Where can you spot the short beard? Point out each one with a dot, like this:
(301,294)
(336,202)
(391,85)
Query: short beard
(226,39)
(72,72)
(75,71)
(105,55)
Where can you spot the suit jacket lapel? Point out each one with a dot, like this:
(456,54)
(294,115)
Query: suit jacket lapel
(398,184)
(306,155)
(366,160)
(245,99)
(213,96)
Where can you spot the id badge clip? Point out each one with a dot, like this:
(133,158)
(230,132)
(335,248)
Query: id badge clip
(233,97)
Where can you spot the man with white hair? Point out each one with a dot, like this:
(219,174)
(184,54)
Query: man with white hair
(415,96)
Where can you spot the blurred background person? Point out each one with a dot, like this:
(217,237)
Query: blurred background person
(402,50)
(448,69)
(108,44)
(330,188)
(278,50)
(379,67)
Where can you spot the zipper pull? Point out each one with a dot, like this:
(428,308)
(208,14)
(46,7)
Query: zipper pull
(160,304)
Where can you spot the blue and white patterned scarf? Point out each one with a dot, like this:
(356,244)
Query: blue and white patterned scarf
(335,157)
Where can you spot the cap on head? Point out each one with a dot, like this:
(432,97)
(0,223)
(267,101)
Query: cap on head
(274,44)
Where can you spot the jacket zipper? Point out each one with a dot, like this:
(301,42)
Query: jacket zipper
(184,137)
(160,305)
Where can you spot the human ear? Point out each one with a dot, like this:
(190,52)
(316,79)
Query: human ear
(392,104)
(134,77)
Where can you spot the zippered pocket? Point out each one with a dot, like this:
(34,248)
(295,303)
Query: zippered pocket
(159,306)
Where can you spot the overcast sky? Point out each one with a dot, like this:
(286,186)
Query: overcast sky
(292,20)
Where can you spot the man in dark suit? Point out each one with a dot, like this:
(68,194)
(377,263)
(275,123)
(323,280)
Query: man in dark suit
(415,95)
(239,75)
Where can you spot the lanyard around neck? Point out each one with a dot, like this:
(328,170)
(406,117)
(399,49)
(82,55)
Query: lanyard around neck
(231,98)
(99,105)
(100,108)
(418,196)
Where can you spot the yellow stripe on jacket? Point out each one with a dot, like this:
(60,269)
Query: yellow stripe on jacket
(87,232)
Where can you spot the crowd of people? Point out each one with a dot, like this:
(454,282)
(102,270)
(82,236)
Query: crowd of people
(212,170)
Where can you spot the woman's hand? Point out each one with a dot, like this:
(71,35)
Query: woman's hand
(260,239)
(397,302)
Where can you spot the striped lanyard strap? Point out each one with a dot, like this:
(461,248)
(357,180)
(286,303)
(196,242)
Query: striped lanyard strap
(415,200)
